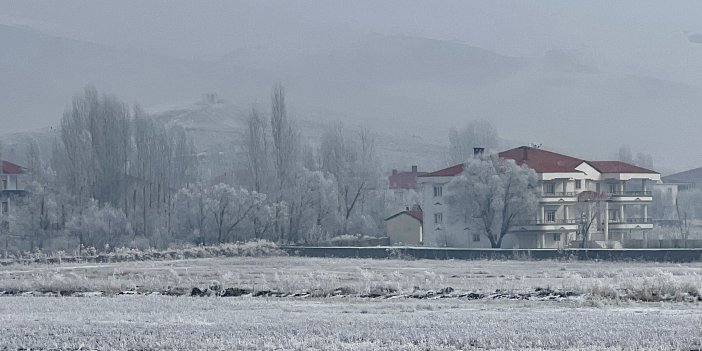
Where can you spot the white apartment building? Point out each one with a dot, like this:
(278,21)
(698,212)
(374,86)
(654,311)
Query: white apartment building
(595,202)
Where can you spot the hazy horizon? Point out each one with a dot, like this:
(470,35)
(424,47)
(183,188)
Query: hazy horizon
(632,68)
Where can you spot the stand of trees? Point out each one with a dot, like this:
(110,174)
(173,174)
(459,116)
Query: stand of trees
(118,178)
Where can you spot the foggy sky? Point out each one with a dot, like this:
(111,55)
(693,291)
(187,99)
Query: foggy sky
(646,39)
(614,36)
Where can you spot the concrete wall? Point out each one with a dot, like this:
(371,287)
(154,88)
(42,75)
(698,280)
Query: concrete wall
(656,255)
(663,244)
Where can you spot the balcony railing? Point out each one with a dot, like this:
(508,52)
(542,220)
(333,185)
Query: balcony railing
(546,222)
(559,194)
(631,220)
(7,193)
(630,193)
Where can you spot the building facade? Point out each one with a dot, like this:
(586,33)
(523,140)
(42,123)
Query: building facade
(580,202)
(11,187)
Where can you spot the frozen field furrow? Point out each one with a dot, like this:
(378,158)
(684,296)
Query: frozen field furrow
(292,274)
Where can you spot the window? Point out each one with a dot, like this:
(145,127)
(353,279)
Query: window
(556,236)
(476,237)
(550,216)
(578,184)
(613,188)
(5,207)
(438,191)
(3,185)
(438,218)
(549,188)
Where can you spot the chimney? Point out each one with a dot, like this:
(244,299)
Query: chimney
(478,151)
(414,169)
(525,150)
(394,172)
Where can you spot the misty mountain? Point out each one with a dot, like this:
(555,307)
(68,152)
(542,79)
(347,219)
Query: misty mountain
(554,99)
(42,73)
(218,130)
(408,89)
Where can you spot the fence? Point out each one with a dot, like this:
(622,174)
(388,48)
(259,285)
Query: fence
(383,252)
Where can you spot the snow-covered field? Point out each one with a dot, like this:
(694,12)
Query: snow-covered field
(184,323)
(470,305)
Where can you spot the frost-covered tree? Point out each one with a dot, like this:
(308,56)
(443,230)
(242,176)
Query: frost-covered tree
(38,215)
(95,131)
(480,133)
(688,207)
(491,195)
(230,207)
(314,216)
(192,214)
(624,154)
(258,152)
(352,161)
(123,158)
(102,227)
(642,159)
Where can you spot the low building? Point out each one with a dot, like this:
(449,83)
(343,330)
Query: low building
(11,185)
(687,180)
(569,188)
(667,193)
(405,227)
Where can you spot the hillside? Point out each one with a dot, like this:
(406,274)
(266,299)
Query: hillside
(409,90)
(42,73)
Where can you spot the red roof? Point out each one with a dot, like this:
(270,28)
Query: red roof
(446,172)
(11,168)
(404,180)
(542,161)
(618,167)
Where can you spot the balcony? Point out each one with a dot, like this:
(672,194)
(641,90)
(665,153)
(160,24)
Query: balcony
(12,193)
(559,196)
(630,223)
(630,196)
(539,225)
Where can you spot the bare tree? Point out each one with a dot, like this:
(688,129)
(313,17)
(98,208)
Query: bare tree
(257,152)
(286,162)
(589,207)
(353,163)
(229,207)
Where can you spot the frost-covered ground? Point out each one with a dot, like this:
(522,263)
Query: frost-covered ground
(607,308)
(186,323)
(359,276)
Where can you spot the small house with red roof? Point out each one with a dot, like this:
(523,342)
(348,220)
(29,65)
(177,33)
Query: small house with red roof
(405,227)
(10,185)
(620,190)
